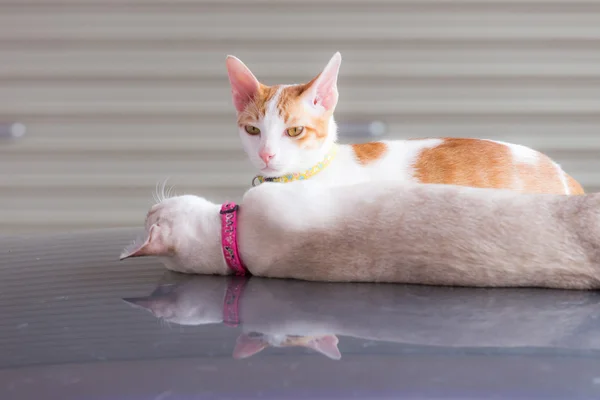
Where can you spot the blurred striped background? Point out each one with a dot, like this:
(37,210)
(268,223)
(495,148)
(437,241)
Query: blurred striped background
(116,96)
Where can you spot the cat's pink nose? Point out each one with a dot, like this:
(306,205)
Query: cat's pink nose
(266,156)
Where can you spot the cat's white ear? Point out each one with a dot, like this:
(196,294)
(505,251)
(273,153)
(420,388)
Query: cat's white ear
(247,346)
(244,85)
(323,90)
(152,246)
(326,345)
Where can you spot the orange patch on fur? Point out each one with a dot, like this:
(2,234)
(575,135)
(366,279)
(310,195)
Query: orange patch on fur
(256,108)
(574,186)
(291,106)
(486,164)
(466,162)
(289,99)
(368,152)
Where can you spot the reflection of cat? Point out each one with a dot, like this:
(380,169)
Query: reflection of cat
(282,313)
(199,301)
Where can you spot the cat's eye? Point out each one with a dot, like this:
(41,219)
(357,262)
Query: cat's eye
(252,130)
(295,131)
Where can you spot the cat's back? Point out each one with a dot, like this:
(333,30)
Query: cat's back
(311,206)
(466,162)
(413,233)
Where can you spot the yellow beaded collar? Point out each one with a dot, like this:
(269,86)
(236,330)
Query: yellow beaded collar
(302,176)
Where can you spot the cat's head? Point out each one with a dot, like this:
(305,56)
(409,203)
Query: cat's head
(285,128)
(183,232)
(249,344)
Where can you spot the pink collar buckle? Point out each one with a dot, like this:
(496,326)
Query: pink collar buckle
(229,242)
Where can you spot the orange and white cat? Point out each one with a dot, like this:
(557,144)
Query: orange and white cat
(289,133)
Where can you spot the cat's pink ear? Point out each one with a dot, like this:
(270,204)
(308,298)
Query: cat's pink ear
(244,85)
(152,246)
(326,345)
(247,346)
(323,91)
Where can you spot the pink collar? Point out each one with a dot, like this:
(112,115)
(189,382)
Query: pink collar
(229,242)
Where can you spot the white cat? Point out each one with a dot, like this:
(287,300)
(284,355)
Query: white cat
(384,231)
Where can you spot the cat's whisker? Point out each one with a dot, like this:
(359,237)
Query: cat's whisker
(169,192)
(161,195)
(161,192)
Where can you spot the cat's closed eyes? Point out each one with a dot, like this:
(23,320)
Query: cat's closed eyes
(289,133)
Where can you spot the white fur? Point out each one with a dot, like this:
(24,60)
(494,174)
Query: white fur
(563,178)
(191,225)
(288,157)
(396,165)
(387,231)
(520,153)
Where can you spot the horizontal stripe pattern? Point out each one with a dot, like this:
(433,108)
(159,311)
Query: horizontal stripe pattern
(117,96)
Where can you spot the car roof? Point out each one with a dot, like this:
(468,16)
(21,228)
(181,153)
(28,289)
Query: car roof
(66,332)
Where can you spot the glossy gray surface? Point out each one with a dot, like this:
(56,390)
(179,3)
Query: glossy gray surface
(66,333)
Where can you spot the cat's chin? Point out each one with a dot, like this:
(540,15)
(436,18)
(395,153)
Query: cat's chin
(270,172)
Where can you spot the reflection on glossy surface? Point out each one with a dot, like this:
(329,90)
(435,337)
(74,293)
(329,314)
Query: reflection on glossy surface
(202,300)
(65,333)
(279,313)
